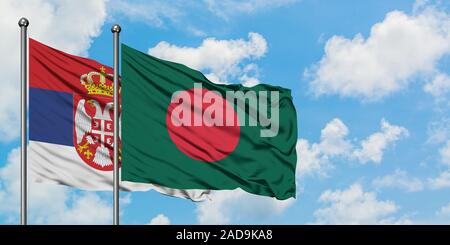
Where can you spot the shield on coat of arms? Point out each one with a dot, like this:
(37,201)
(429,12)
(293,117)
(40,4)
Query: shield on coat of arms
(94,121)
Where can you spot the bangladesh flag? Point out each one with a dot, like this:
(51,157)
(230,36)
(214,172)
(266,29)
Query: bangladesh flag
(182,131)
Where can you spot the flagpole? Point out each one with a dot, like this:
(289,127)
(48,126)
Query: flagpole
(23,23)
(116,30)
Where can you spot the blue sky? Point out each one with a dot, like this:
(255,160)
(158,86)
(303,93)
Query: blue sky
(370,82)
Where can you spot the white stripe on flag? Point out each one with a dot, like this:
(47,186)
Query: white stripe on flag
(60,164)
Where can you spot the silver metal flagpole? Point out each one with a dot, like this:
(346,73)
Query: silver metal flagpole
(23,23)
(116,30)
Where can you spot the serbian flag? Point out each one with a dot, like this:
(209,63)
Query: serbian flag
(71,123)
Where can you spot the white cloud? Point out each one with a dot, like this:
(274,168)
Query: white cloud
(397,49)
(66,25)
(441,181)
(439,86)
(228,8)
(9,183)
(9,110)
(310,160)
(49,204)
(154,13)
(234,206)
(444,211)
(250,75)
(87,208)
(399,179)
(373,147)
(354,206)
(224,67)
(313,159)
(249,81)
(332,138)
(160,219)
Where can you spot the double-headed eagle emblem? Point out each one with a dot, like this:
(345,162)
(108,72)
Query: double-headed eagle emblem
(94,127)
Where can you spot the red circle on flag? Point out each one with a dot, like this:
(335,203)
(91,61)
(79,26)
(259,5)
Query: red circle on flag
(214,139)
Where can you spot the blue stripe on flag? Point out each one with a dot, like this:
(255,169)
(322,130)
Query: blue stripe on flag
(51,116)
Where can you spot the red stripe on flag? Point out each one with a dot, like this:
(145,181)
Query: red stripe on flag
(56,70)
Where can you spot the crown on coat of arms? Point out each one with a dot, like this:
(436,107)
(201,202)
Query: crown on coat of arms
(98,86)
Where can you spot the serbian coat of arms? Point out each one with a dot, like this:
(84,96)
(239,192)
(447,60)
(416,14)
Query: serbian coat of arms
(93,120)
